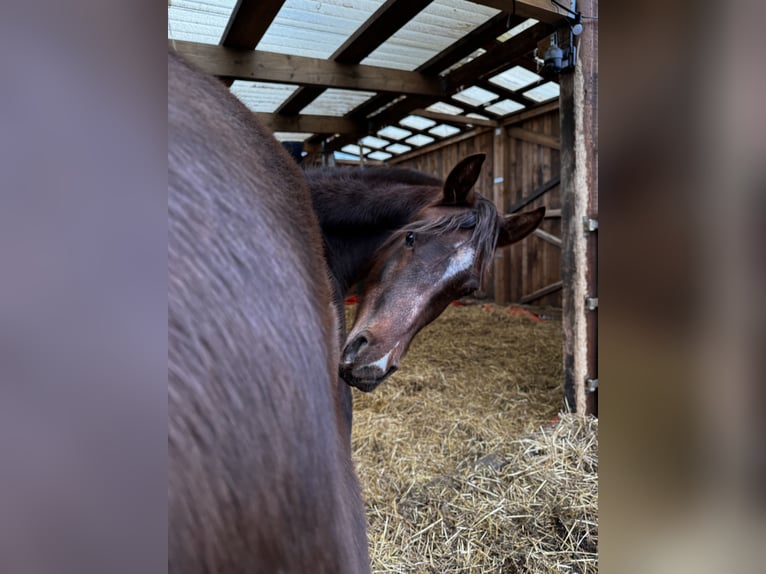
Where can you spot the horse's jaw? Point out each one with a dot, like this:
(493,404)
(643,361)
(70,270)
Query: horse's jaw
(365,384)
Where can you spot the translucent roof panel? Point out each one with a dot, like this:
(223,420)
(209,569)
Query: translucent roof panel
(436,27)
(292,136)
(417,122)
(260,96)
(477,116)
(419,140)
(398,148)
(372,141)
(516,30)
(394,133)
(515,78)
(345,155)
(505,107)
(475,96)
(546,91)
(315,29)
(472,56)
(354,149)
(443,108)
(443,130)
(334,102)
(198,20)
(379,155)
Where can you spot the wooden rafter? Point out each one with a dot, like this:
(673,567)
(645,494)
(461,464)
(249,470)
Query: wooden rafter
(255,65)
(504,55)
(248,23)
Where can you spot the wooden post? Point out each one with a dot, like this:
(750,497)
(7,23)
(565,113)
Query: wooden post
(500,198)
(579,179)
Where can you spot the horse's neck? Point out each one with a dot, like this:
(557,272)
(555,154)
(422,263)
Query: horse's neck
(357,218)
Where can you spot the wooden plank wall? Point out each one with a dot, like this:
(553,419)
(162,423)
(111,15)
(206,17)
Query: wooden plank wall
(533,263)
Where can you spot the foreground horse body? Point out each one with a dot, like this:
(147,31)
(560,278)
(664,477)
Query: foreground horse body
(417,243)
(260,478)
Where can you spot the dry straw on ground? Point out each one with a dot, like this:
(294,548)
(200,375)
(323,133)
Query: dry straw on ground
(461,466)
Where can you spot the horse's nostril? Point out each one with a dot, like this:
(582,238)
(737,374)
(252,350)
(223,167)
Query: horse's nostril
(353,348)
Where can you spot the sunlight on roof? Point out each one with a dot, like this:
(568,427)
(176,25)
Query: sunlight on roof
(372,141)
(505,107)
(444,130)
(544,92)
(515,78)
(475,96)
(444,108)
(398,148)
(292,136)
(379,155)
(262,96)
(419,140)
(417,122)
(516,30)
(394,133)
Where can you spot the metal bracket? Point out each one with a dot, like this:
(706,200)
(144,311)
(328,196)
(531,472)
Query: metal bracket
(591,303)
(589,225)
(591,385)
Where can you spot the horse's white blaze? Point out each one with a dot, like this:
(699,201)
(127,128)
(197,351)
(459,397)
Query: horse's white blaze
(462,260)
(382,363)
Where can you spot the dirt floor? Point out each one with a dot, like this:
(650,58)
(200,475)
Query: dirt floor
(465,461)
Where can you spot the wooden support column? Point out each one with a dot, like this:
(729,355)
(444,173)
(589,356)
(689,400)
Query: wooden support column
(500,198)
(579,198)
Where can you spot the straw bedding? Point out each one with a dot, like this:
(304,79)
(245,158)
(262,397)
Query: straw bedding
(466,464)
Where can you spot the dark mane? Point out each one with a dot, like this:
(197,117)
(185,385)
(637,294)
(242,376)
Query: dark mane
(482,219)
(342,198)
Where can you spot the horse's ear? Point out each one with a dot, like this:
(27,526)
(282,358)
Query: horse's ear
(458,189)
(516,227)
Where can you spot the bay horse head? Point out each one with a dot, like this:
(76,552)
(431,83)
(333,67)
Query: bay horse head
(444,253)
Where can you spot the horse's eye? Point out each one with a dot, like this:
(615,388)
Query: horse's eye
(409,239)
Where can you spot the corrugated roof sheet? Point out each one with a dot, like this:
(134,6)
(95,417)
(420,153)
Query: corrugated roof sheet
(515,79)
(261,96)
(198,20)
(475,96)
(436,27)
(544,92)
(334,102)
(315,29)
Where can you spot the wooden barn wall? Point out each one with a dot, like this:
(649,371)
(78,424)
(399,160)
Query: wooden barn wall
(533,263)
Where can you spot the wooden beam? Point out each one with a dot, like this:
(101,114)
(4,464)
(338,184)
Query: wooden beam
(383,24)
(533,137)
(500,172)
(248,23)
(552,288)
(430,148)
(579,201)
(254,65)
(498,59)
(549,237)
(525,42)
(552,213)
(310,124)
(482,37)
(543,10)
(450,119)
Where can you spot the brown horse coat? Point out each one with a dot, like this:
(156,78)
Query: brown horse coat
(260,478)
